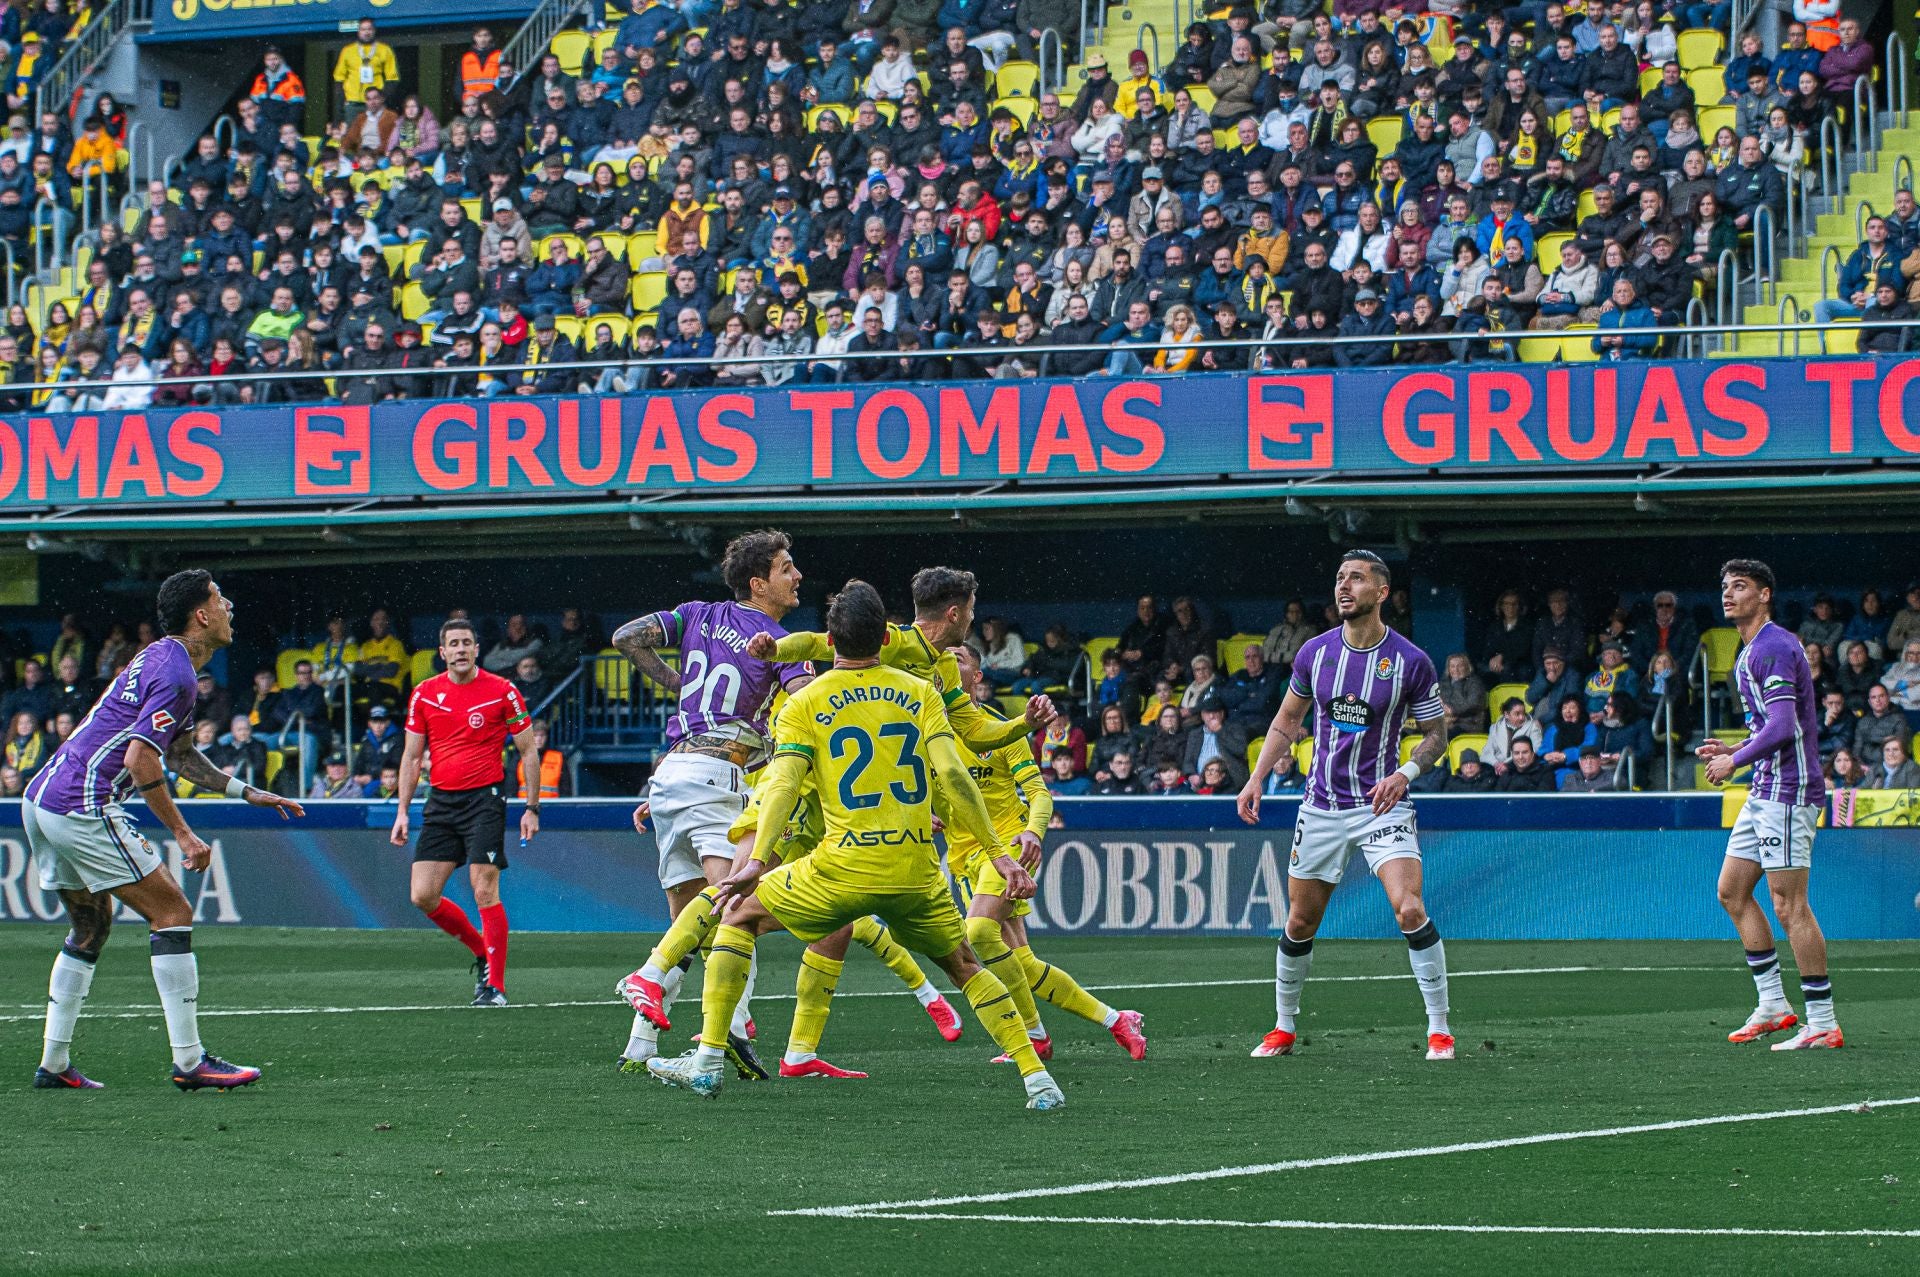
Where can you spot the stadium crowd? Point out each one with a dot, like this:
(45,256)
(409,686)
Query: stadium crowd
(758,178)
(1173,703)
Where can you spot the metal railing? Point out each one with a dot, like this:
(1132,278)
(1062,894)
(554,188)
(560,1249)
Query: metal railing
(1866,125)
(1765,252)
(1744,12)
(1833,160)
(1149,37)
(84,54)
(1797,218)
(1899,75)
(1861,213)
(1690,341)
(1093,27)
(1830,264)
(1789,305)
(140,160)
(1057,81)
(545,22)
(1903,173)
(1726,293)
(610,703)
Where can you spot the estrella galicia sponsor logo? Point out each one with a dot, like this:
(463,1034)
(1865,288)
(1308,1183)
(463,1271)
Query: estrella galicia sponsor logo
(1350,714)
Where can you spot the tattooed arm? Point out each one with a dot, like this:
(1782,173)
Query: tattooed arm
(1393,786)
(637,640)
(1433,743)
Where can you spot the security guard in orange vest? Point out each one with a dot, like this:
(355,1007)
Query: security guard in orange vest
(480,65)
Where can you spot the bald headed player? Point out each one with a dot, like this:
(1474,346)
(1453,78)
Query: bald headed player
(1363,682)
(1773,835)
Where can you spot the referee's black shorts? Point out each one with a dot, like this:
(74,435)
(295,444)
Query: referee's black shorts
(465,826)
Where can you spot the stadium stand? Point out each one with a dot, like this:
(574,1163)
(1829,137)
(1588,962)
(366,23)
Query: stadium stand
(1003,176)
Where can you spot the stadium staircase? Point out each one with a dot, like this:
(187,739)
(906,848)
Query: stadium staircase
(1866,154)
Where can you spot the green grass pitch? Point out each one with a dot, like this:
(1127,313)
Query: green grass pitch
(461,1141)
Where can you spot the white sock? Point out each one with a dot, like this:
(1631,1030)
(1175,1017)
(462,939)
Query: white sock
(653,973)
(176,974)
(66,995)
(1111,1018)
(644,1042)
(1290,967)
(708,1057)
(670,985)
(927,994)
(1037,1033)
(744,1012)
(1427,954)
(1037,1082)
(1764,964)
(1818,991)
(797,1058)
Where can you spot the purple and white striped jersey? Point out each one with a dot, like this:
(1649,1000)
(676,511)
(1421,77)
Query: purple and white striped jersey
(1773,678)
(152,700)
(721,686)
(1361,699)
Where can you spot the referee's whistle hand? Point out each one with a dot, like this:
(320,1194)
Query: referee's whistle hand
(399,835)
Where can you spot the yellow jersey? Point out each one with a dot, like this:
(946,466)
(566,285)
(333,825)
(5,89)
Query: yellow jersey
(864,734)
(1015,793)
(801,833)
(906,648)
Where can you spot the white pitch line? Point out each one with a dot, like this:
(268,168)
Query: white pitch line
(1341,1159)
(151,1011)
(1331,1226)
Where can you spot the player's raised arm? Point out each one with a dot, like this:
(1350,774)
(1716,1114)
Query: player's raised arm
(1283,733)
(410,759)
(189,763)
(637,640)
(529,783)
(790,649)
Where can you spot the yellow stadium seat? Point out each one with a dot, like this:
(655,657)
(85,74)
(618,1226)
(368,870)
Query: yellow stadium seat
(1022,109)
(1700,47)
(613,679)
(1649,80)
(396,255)
(1475,741)
(1017,79)
(616,245)
(1253,752)
(1097,650)
(1233,653)
(275,761)
(834,109)
(1303,754)
(1563,122)
(620,325)
(574,246)
(571,48)
(1223,138)
(1500,693)
(601,42)
(1550,246)
(1711,119)
(1732,799)
(283,664)
(473,209)
(1844,340)
(1722,644)
(1384,132)
(1539,350)
(569,326)
(888,111)
(1202,97)
(1577,347)
(413,302)
(1610,120)
(1709,85)
(649,290)
(422,668)
(1586,206)
(1407,744)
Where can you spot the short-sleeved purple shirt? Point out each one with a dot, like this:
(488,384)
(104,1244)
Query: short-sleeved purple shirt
(151,700)
(1361,700)
(719,683)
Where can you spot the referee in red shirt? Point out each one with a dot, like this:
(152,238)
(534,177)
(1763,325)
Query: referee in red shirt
(463,718)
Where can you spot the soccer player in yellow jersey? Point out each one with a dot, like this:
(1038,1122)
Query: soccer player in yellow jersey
(942,617)
(1017,800)
(820,964)
(876,743)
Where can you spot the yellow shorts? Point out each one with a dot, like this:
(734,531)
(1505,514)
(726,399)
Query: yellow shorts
(978,876)
(800,836)
(813,908)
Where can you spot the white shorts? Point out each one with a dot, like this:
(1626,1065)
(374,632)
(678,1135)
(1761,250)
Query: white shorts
(695,799)
(1774,835)
(1324,840)
(87,853)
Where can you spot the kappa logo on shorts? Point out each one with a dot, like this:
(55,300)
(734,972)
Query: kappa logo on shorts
(162,720)
(1349,713)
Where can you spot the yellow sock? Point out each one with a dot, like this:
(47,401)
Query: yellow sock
(870,933)
(1052,985)
(994,1005)
(991,948)
(727,968)
(813,998)
(693,929)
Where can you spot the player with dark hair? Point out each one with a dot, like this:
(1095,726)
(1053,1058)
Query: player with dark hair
(717,733)
(1363,682)
(463,719)
(876,742)
(1773,835)
(89,851)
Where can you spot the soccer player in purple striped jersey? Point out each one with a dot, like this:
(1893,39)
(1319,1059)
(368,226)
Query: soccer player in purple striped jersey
(1773,835)
(719,731)
(1363,682)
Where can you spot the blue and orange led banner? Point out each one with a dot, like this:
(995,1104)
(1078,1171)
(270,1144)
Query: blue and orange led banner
(1508,419)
